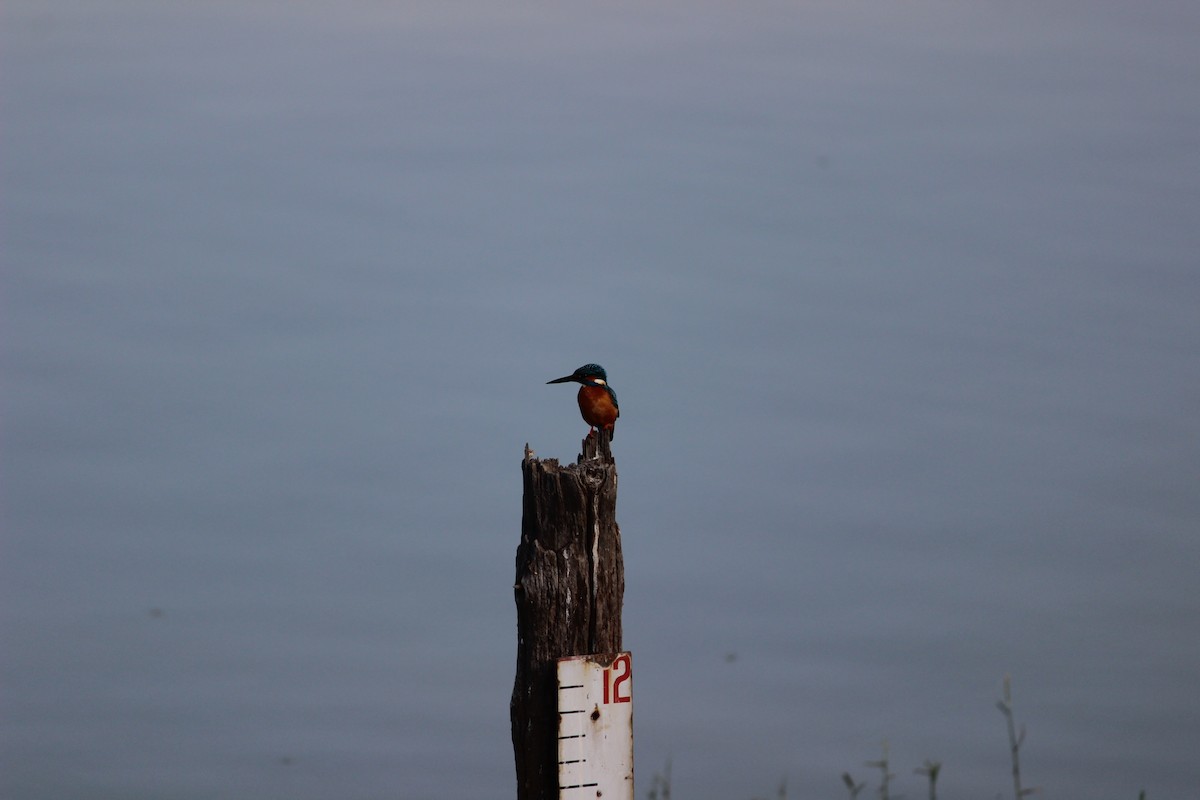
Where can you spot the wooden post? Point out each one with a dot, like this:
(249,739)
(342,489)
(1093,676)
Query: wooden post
(569,588)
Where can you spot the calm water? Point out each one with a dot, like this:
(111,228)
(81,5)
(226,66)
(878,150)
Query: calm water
(900,301)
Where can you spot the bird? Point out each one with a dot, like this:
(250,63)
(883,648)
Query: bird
(597,400)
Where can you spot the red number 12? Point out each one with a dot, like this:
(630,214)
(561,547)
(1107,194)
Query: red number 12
(616,675)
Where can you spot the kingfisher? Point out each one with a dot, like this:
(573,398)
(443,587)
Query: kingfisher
(597,400)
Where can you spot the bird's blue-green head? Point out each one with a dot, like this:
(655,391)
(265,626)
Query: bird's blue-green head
(588,374)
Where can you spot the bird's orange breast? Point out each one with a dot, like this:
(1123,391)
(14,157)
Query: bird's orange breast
(597,407)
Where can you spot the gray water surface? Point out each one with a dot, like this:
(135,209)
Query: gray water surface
(900,301)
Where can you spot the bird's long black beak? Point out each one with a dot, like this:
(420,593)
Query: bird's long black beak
(563,379)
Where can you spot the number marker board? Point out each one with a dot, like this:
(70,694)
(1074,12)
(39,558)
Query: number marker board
(595,727)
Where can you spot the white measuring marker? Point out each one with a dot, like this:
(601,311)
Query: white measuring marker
(595,727)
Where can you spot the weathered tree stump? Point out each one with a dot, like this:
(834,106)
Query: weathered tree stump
(569,588)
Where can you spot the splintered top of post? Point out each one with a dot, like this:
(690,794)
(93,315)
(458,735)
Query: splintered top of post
(595,451)
(597,447)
